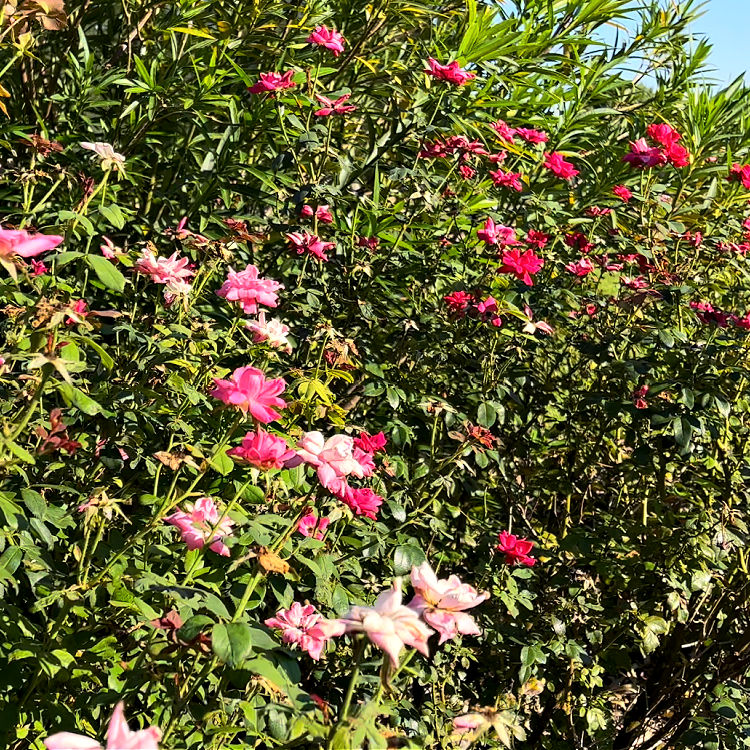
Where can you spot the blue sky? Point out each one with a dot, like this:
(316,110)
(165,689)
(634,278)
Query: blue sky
(726,24)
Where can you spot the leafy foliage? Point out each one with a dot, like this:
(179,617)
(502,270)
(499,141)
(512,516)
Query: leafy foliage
(616,440)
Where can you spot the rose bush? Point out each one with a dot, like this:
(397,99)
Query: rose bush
(372,376)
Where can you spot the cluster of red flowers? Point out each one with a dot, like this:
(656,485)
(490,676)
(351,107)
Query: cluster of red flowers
(710,315)
(645,156)
(462,303)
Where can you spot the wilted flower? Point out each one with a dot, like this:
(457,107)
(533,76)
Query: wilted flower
(249,290)
(441,602)
(331,107)
(388,624)
(199,525)
(639,397)
(248,389)
(263,450)
(119,737)
(328,38)
(304,626)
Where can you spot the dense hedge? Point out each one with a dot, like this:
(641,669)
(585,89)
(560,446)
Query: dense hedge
(240,240)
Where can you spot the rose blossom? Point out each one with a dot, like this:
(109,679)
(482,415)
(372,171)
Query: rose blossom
(272,331)
(302,625)
(249,390)
(269,82)
(511,180)
(249,290)
(262,450)
(559,167)
(521,265)
(516,550)
(119,737)
(580,268)
(452,72)
(110,159)
(362,502)
(331,39)
(388,624)
(370,443)
(441,601)
(303,242)
(622,193)
(322,213)
(19,243)
(198,526)
(311,525)
(331,107)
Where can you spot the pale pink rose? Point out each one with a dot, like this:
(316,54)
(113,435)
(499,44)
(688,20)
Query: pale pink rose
(388,624)
(198,526)
(173,272)
(365,460)
(304,626)
(441,602)
(263,450)
(328,38)
(249,290)
(248,389)
(19,243)
(469,723)
(311,525)
(332,457)
(119,737)
(273,331)
(110,159)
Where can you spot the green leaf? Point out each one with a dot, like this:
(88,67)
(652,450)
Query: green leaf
(193,626)
(106,272)
(405,557)
(79,399)
(232,642)
(486,415)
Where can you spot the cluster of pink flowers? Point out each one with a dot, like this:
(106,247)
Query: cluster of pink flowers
(249,390)
(462,303)
(503,178)
(330,39)
(389,624)
(515,549)
(508,134)
(497,234)
(303,242)
(173,272)
(335,459)
(455,145)
(249,290)
(119,737)
(668,151)
(452,72)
